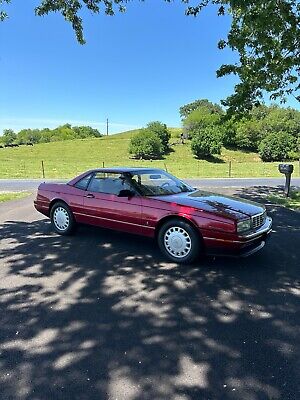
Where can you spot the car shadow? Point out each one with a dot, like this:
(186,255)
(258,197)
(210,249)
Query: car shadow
(101,315)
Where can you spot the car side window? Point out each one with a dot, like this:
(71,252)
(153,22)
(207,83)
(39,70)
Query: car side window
(83,183)
(109,183)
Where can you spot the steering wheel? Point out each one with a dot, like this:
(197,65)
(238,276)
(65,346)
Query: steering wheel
(165,184)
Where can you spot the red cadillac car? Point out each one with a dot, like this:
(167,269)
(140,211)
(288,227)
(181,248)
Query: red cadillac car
(185,221)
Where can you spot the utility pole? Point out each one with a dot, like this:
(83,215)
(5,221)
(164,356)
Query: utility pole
(107,127)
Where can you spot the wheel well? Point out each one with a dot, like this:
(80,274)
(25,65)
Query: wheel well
(54,202)
(178,217)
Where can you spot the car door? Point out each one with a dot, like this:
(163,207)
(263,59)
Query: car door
(104,208)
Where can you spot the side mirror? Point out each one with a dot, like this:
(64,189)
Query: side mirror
(126,193)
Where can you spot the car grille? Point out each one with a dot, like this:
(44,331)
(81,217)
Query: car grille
(258,220)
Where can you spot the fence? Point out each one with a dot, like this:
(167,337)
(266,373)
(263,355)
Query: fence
(10,168)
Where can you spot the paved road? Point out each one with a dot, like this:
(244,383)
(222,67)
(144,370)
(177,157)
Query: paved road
(32,184)
(102,316)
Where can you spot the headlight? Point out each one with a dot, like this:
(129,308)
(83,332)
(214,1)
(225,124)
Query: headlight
(244,225)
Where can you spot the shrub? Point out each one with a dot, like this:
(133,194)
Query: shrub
(206,142)
(248,134)
(229,133)
(275,147)
(162,132)
(146,144)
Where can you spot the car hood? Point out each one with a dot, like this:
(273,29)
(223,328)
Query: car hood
(226,206)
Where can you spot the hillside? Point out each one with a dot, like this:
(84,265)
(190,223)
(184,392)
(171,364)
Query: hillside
(68,158)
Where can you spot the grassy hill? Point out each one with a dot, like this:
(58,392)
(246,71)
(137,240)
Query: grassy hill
(68,158)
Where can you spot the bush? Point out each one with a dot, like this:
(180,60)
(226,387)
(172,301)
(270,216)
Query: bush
(229,133)
(162,132)
(206,142)
(146,144)
(248,134)
(275,147)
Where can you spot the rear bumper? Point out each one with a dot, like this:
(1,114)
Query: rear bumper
(41,207)
(240,246)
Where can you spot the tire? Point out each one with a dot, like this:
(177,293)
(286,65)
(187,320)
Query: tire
(62,219)
(179,241)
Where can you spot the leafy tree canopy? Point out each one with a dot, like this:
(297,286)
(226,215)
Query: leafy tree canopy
(63,132)
(202,116)
(265,34)
(212,108)
(9,136)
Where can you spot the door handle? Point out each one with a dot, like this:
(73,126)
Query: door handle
(90,196)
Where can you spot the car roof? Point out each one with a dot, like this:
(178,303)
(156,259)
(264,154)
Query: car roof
(125,169)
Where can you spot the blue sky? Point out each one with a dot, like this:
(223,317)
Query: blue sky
(136,67)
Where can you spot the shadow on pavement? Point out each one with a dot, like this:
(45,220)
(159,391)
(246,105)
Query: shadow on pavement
(102,316)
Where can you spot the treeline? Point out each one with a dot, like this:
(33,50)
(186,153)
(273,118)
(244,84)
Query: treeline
(46,135)
(272,131)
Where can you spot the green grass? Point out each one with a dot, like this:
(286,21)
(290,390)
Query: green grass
(12,196)
(293,201)
(69,158)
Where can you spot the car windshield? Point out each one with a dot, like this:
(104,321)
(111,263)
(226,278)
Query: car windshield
(158,183)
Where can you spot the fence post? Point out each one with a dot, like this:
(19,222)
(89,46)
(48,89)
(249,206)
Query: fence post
(229,170)
(24,174)
(166,167)
(103,164)
(43,169)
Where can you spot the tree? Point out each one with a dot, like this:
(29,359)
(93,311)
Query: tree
(200,118)
(186,110)
(265,34)
(275,147)
(8,137)
(248,134)
(229,127)
(83,132)
(206,142)
(63,132)
(283,120)
(27,136)
(162,132)
(145,144)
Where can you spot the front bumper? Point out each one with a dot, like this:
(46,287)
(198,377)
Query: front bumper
(241,245)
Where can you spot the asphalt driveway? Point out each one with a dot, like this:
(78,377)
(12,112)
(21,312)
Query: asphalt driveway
(102,315)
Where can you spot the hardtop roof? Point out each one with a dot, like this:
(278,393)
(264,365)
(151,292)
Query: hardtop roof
(126,169)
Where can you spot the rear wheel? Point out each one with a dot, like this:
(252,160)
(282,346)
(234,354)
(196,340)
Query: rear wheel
(62,219)
(179,241)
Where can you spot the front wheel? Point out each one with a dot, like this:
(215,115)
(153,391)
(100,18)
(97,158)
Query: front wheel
(62,219)
(179,241)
